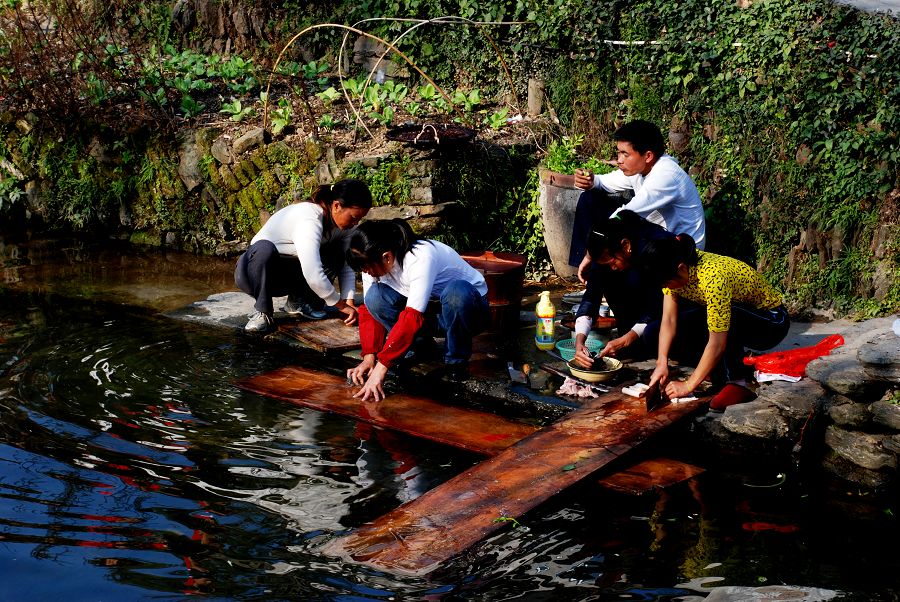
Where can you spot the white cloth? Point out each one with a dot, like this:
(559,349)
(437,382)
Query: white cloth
(766,377)
(666,196)
(297,230)
(427,269)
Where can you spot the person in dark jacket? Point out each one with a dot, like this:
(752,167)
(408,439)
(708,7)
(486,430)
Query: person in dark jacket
(615,247)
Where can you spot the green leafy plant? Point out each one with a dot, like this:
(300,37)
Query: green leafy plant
(237,111)
(427,92)
(327,121)
(190,107)
(497,119)
(328,96)
(355,86)
(281,116)
(374,98)
(313,71)
(395,92)
(413,108)
(469,101)
(384,117)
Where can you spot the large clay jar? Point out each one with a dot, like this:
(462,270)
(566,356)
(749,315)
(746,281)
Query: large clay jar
(558,200)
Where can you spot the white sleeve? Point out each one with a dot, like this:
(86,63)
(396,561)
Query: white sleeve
(307,237)
(659,190)
(583,325)
(420,272)
(615,181)
(347,277)
(366,282)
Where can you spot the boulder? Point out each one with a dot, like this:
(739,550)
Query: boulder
(758,419)
(252,139)
(221,150)
(862,449)
(886,414)
(880,357)
(189,162)
(845,375)
(796,400)
(850,415)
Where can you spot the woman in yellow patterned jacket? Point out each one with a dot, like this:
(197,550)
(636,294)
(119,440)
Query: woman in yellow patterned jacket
(742,310)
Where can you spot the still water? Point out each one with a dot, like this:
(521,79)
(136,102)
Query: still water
(132,469)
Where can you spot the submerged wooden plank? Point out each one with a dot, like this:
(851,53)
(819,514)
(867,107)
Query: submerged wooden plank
(418,536)
(655,473)
(476,431)
(323,335)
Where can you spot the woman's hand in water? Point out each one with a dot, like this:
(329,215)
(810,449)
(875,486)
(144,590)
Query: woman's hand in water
(359,374)
(351,316)
(372,389)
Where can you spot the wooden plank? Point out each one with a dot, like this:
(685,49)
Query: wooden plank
(323,335)
(476,431)
(418,536)
(655,473)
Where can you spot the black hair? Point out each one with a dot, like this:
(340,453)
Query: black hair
(660,258)
(349,193)
(375,237)
(643,136)
(607,237)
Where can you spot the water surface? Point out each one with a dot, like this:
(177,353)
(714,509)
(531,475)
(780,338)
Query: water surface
(132,469)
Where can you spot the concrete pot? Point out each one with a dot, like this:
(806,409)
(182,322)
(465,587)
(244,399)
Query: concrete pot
(558,200)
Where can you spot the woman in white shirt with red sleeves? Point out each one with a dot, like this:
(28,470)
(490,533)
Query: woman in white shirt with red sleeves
(401,274)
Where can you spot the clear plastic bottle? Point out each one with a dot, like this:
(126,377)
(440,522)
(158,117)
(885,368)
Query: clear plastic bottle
(544,326)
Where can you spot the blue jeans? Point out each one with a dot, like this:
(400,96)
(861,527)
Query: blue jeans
(464,313)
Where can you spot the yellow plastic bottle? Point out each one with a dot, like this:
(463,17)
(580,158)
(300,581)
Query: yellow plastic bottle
(545,312)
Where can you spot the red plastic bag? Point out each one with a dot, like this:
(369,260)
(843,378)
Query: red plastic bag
(793,361)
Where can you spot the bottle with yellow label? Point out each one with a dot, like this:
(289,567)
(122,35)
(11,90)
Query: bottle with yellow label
(544,327)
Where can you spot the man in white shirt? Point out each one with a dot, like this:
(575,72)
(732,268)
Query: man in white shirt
(663,192)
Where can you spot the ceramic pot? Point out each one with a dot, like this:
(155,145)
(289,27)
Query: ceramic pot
(558,200)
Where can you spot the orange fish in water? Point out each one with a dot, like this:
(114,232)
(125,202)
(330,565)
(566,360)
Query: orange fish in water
(761,526)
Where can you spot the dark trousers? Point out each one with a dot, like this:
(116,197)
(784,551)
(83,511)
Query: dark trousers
(594,207)
(464,313)
(263,273)
(757,329)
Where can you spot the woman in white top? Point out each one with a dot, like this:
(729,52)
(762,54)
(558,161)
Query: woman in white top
(401,274)
(299,251)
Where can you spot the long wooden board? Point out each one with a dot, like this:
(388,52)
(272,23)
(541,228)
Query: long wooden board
(418,536)
(476,431)
(323,335)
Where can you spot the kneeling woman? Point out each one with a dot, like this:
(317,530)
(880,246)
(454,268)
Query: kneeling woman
(401,273)
(299,251)
(742,310)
